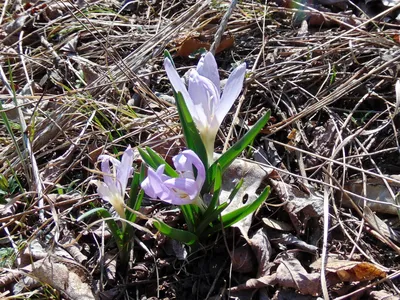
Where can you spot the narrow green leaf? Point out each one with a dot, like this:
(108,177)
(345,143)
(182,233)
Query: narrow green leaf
(112,225)
(217,191)
(235,190)
(183,236)
(211,217)
(192,135)
(229,156)
(168,55)
(147,158)
(189,216)
(235,216)
(135,197)
(158,160)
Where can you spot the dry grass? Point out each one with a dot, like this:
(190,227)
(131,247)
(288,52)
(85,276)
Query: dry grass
(86,80)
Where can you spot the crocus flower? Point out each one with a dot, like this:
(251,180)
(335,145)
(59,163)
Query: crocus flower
(184,189)
(115,180)
(203,96)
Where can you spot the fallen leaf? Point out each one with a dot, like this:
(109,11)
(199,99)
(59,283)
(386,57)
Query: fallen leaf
(289,239)
(299,205)
(254,176)
(278,225)
(375,222)
(375,190)
(68,277)
(261,247)
(192,44)
(291,274)
(382,295)
(243,260)
(349,271)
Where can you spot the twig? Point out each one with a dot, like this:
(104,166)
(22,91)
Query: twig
(222,26)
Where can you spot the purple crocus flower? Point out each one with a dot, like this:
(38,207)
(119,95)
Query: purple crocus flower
(115,180)
(178,191)
(203,96)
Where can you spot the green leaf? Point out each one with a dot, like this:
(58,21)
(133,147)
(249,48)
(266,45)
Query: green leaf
(182,236)
(135,197)
(168,55)
(235,216)
(192,135)
(210,218)
(236,189)
(158,160)
(229,156)
(147,158)
(217,191)
(188,214)
(112,225)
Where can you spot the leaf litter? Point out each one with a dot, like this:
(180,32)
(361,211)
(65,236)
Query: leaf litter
(88,79)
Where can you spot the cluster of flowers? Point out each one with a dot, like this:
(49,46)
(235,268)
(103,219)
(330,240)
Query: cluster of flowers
(208,109)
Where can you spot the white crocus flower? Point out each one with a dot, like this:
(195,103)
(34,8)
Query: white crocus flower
(115,181)
(203,96)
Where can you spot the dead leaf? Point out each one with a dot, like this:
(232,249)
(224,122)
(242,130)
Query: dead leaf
(284,239)
(375,222)
(254,177)
(255,283)
(68,277)
(262,249)
(375,190)
(382,295)
(278,225)
(243,260)
(299,205)
(349,271)
(291,274)
(192,44)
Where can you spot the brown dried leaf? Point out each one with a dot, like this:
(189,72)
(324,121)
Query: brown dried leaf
(262,249)
(68,277)
(376,190)
(192,44)
(243,260)
(349,271)
(291,274)
(299,205)
(254,176)
(278,225)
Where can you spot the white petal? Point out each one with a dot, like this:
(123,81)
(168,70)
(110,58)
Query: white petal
(205,98)
(125,169)
(208,68)
(179,86)
(231,92)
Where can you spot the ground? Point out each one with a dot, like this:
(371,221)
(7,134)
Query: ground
(81,79)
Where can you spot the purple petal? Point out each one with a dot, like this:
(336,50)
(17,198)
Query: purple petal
(183,190)
(185,161)
(205,99)
(105,169)
(125,169)
(179,86)
(208,68)
(154,187)
(231,92)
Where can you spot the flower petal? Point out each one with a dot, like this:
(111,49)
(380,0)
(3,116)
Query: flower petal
(112,196)
(208,68)
(125,169)
(105,169)
(185,161)
(231,92)
(205,98)
(154,187)
(183,190)
(179,86)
